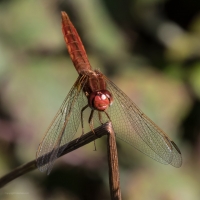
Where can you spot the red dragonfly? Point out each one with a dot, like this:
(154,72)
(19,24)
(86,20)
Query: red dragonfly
(107,103)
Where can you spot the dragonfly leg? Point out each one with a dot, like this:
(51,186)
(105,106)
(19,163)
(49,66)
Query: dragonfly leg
(82,110)
(90,121)
(100,117)
(107,115)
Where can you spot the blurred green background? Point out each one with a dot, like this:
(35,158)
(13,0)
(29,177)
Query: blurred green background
(149,48)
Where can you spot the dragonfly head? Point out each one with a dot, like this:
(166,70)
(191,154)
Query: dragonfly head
(100,100)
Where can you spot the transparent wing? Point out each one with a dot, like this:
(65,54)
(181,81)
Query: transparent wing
(63,127)
(134,127)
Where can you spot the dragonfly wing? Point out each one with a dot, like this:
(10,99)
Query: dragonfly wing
(63,127)
(134,127)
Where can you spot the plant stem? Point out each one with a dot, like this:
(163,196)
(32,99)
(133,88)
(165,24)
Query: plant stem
(73,145)
(114,181)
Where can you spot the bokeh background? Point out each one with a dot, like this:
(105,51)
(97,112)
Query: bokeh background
(149,48)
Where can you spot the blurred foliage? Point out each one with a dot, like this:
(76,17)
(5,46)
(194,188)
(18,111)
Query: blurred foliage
(149,48)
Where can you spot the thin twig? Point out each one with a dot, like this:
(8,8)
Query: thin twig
(114,181)
(73,145)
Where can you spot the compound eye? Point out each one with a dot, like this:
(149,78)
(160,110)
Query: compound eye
(103,97)
(100,100)
(108,95)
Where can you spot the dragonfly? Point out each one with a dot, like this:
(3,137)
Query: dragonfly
(106,102)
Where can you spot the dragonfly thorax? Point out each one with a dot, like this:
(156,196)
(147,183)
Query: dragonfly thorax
(100,100)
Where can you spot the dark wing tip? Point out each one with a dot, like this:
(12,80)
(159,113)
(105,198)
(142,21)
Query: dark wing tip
(176,147)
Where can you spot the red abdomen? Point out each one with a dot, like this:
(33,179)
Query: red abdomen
(74,45)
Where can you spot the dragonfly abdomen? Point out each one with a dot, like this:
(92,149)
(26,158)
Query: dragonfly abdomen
(74,45)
